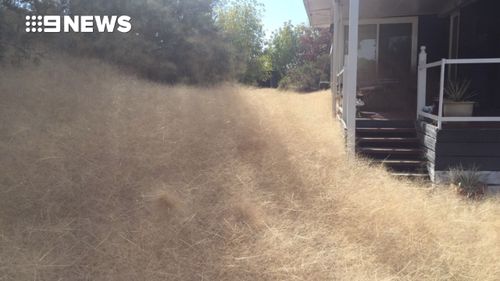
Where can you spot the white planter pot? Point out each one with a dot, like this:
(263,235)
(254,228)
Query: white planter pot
(458,109)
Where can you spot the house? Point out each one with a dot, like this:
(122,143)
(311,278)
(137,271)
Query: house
(394,63)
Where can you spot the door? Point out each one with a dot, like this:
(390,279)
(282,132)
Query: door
(395,66)
(387,56)
(395,51)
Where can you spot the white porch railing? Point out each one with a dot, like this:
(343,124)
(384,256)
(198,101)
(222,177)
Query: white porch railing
(422,88)
(340,82)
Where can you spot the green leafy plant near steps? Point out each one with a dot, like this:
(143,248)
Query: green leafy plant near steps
(459,90)
(467,182)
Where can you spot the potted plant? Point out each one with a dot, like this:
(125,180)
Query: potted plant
(467,182)
(457,99)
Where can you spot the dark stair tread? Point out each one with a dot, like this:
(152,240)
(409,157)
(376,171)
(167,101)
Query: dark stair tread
(388,139)
(401,162)
(384,123)
(385,130)
(410,175)
(395,146)
(390,150)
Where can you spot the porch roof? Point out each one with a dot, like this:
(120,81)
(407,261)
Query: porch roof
(320,12)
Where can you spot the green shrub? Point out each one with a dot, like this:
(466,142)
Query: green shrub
(467,181)
(303,78)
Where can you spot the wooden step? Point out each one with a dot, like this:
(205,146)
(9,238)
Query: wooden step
(411,175)
(388,140)
(401,162)
(386,130)
(384,123)
(377,150)
(395,146)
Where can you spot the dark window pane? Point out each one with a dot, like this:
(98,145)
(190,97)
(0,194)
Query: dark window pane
(395,51)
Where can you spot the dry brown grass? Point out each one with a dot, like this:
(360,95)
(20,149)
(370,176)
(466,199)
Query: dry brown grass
(107,177)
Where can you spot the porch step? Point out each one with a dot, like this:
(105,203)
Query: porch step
(387,140)
(394,145)
(401,162)
(379,150)
(403,166)
(385,130)
(421,176)
(387,123)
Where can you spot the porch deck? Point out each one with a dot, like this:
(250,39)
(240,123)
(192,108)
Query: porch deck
(472,125)
(394,116)
(461,145)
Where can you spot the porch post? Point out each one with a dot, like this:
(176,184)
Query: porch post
(422,80)
(339,58)
(441,94)
(344,89)
(334,59)
(352,76)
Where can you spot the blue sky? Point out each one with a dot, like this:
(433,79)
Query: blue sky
(279,11)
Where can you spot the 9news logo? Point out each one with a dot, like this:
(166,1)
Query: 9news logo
(84,24)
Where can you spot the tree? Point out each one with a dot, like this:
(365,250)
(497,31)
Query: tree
(171,40)
(188,41)
(312,61)
(314,43)
(241,23)
(284,48)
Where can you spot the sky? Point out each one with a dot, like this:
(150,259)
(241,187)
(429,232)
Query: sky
(279,11)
